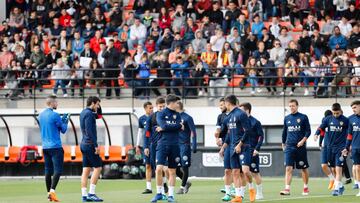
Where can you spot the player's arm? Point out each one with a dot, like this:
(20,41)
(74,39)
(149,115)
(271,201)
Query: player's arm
(349,137)
(147,134)
(193,134)
(321,129)
(307,130)
(140,135)
(245,122)
(284,135)
(60,123)
(90,128)
(260,133)
(167,127)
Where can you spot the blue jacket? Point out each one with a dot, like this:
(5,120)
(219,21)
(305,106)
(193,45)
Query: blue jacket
(51,124)
(88,127)
(257,28)
(337,132)
(181,70)
(189,131)
(340,40)
(144,70)
(296,127)
(353,138)
(219,122)
(78,47)
(151,136)
(170,122)
(256,134)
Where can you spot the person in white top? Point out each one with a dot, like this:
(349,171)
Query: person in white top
(341,7)
(275,27)
(137,34)
(217,41)
(356,77)
(345,27)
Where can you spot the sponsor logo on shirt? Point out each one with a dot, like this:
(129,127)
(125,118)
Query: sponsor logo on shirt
(294,128)
(336,128)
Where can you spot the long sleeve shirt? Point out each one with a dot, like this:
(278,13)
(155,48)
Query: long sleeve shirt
(219,121)
(88,127)
(189,133)
(51,125)
(137,32)
(170,122)
(296,127)
(353,137)
(151,135)
(181,70)
(256,134)
(337,132)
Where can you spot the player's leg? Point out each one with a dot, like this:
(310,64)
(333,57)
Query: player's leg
(245,158)
(185,154)
(49,170)
(161,155)
(356,160)
(173,162)
(325,167)
(235,169)
(84,178)
(255,172)
(346,173)
(148,171)
(289,167)
(355,175)
(243,184)
(227,175)
(339,164)
(302,163)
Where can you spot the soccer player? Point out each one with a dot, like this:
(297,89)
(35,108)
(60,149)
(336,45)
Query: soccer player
(90,150)
(337,125)
(324,152)
(296,131)
(238,125)
(51,124)
(187,137)
(220,135)
(151,139)
(256,140)
(353,140)
(148,107)
(169,126)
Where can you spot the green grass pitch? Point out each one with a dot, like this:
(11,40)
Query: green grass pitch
(128,191)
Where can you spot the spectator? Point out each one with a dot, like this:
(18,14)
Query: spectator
(144,74)
(255,7)
(63,42)
(45,44)
(284,37)
(354,41)
(96,75)
(353,15)
(293,52)
(343,73)
(323,74)
(337,41)
(164,18)
(209,58)
(299,9)
(290,75)
(345,27)
(51,60)
(139,53)
(178,17)
(328,27)
(150,46)
(323,8)
(17,20)
(60,73)
(77,44)
(163,74)
(64,18)
(71,29)
(32,21)
(215,14)
(207,27)
(177,42)
(26,77)
(318,44)
(252,75)
(155,6)
(202,6)
(5,57)
(190,11)
(199,43)
(257,26)
(112,70)
(11,80)
(77,77)
(341,8)
(147,18)
(20,53)
(261,51)
(98,19)
(307,73)
(129,73)
(188,31)
(231,14)
(267,38)
(356,77)
(311,25)
(55,29)
(130,19)
(226,58)
(95,42)
(124,35)
(218,82)
(165,41)
(277,54)
(137,34)
(269,73)
(217,41)
(275,27)
(181,76)
(234,39)
(115,15)
(66,58)
(41,7)
(250,46)
(38,63)
(197,71)
(88,32)
(82,17)
(87,52)
(305,42)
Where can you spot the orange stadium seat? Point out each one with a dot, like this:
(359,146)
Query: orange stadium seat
(236,80)
(130,5)
(2,154)
(49,86)
(13,154)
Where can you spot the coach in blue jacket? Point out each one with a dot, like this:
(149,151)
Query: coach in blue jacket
(51,124)
(89,149)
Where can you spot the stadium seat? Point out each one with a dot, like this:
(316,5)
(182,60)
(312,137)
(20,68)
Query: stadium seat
(236,80)
(49,86)
(130,5)
(111,153)
(12,154)
(2,154)
(67,153)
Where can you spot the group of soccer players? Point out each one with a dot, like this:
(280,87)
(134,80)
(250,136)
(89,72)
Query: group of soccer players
(169,136)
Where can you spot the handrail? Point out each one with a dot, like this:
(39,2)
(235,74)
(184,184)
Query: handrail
(7,129)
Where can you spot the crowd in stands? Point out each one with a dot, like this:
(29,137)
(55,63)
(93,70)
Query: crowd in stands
(269,45)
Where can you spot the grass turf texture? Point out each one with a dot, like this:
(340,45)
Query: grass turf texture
(129,191)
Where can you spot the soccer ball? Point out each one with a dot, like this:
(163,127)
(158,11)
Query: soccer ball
(114,167)
(142,169)
(134,170)
(126,169)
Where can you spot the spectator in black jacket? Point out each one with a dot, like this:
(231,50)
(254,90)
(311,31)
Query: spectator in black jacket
(353,15)
(111,56)
(129,72)
(51,60)
(178,41)
(292,52)
(305,42)
(216,15)
(323,8)
(354,40)
(88,52)
(162,66)
(311,25)
(165,40)
(269,72)
(318,44)
(230,17)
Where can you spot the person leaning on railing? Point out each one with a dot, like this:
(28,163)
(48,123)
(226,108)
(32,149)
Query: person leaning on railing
(356,77)
(60,73)
(290,75)
(96,74)
(269,73)
(343,73)
(181,76)
(163,73)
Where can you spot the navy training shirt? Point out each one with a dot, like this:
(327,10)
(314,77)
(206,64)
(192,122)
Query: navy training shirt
(219,121)
(256,134)
(151,136)
(354,132)
(88,127)
(189,130)
(170,122)
(296,127)
(337,131)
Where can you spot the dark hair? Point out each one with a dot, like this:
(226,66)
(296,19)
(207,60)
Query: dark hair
(91,100)
(181,106)
(231,99)
(111,40)
(327,113)
(52,97)
(247,106)
(294,101)
(160,100)
(336,107)
(222,99)
(172,98)
(356,102)
(147,104)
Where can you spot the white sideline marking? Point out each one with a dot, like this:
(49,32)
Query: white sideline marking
(304,197)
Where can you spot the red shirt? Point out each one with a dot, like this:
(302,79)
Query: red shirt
(205,5)
(150,47)
(118,45)
(95,44)
(64,20)
(164,22)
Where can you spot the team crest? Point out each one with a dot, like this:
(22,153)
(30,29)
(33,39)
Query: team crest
(174,116)
(185,158)
(242,157)
(177,159)
(298,120)
(253,165)
(341,123)
(301,163)
(341,158)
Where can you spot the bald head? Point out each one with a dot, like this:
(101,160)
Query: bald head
(51,102)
